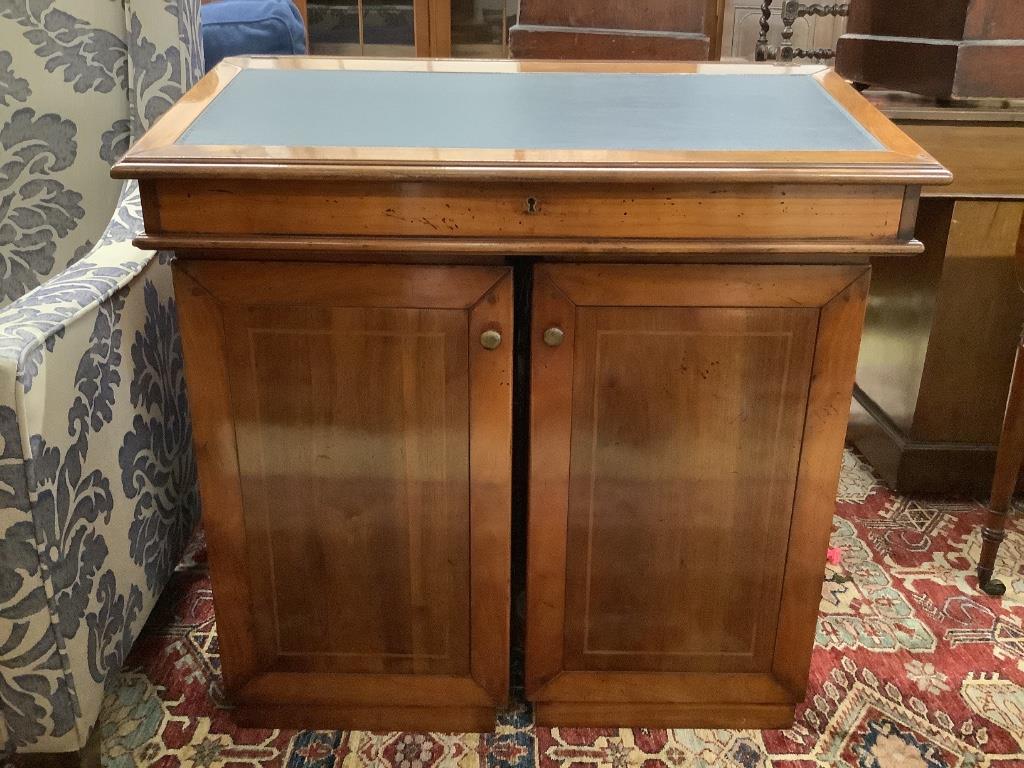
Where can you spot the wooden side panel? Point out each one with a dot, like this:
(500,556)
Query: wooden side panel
(966,373)
(938,350)
(828,408)
(994,20)
(900,312)
(203,343)
(922,66)
(360,497)
(990,70)
(986,159)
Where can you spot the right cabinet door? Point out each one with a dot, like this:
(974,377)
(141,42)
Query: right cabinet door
(687,426)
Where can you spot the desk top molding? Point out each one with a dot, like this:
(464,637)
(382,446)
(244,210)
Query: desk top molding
(864,148)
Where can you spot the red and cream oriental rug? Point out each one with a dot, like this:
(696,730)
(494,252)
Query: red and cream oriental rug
(914,668)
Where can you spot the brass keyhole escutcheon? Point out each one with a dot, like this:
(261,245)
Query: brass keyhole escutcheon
(490,339)
(554,336)
(532,205)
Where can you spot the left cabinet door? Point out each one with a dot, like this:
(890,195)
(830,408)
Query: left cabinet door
(353,432)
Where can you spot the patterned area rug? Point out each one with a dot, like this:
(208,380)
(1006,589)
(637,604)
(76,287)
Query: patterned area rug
(914,668)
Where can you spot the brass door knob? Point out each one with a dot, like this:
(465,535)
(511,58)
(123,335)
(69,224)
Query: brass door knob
(490,339)
(554,336)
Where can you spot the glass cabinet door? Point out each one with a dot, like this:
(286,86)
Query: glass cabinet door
(464,28)
(362,27)
(480,27)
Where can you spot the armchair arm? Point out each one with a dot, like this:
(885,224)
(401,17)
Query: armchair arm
(97,489)
(32,322)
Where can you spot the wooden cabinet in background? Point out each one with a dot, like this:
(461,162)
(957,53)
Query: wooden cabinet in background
(354,437)
(942,326)
(629,30)
(945,49)
(469,28)
(657,594)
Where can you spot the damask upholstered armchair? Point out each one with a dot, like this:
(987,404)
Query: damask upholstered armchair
(97,485)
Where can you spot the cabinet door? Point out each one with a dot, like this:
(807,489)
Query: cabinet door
(353,437)
(686,439)
(438,28)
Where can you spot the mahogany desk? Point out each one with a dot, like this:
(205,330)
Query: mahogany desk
(370,251)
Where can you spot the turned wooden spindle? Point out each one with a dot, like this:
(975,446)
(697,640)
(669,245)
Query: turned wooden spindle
(792,10)
(762,52)
(1009,457)
(790,13)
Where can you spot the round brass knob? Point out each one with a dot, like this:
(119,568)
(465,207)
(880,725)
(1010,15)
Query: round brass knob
(490,339)
(554,336)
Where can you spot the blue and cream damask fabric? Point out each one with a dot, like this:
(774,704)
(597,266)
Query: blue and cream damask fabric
(97,481)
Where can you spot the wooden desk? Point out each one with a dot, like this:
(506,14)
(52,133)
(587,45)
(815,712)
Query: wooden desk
(678,253)
(942,326)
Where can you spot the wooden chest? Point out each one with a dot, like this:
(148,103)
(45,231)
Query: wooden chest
(946,49)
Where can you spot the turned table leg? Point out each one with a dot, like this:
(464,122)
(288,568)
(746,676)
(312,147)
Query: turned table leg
(762,52)
(1008,461)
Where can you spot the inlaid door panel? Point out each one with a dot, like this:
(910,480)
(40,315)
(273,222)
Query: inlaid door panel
(365,431)
(357,417)
(686,434)
(685,444)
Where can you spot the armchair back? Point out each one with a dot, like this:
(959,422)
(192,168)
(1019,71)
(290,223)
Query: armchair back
(79,80)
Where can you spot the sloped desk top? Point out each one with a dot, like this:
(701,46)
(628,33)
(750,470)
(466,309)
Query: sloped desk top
(535,110)
(446,156)
(536,119)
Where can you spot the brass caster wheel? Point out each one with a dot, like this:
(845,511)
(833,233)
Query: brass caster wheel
(990,586)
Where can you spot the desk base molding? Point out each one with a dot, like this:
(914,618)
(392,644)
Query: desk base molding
(364,718)
(618,715)
(911,466)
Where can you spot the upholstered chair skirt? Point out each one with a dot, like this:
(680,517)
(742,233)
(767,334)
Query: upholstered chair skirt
(97,481)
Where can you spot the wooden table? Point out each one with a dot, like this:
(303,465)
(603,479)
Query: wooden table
(663,265)
(942,326)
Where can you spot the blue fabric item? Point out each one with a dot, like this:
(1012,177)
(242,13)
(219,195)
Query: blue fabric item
(239,27)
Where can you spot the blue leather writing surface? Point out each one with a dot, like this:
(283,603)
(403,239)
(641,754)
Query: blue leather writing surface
(549,110)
